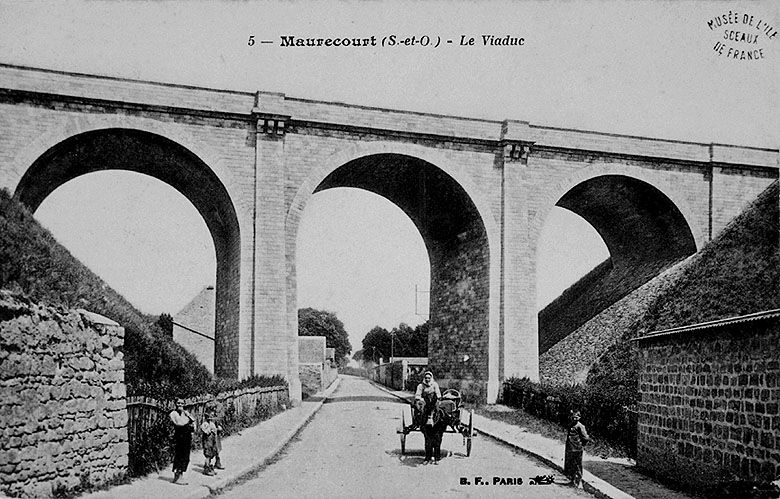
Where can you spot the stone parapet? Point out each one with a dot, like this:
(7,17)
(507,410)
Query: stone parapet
(199,100)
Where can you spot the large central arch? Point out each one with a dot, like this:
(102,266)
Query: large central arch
(159,157)
(457,238)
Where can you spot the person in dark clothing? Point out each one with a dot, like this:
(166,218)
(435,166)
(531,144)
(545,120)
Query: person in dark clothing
(426,397)
(183,426)
(576,438)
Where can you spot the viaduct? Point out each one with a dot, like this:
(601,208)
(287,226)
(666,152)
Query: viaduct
(477,190)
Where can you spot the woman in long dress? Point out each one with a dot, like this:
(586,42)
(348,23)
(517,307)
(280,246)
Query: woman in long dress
(426,397)
(183,426)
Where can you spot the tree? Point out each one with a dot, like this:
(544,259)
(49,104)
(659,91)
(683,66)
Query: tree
(410,342)
(418,345)
(402,341)
(313,322)
(376,344)
(165,321)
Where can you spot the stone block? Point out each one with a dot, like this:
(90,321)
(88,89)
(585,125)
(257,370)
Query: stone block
(118,391)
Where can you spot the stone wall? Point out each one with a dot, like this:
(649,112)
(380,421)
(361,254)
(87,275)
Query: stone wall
(390,374)
(312,365)
(316,377)
(311,349)
(710,396)
(402,374)
(311,378)
(329,375)
(62,399)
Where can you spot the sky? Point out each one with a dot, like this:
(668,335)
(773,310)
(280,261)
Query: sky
(649,69)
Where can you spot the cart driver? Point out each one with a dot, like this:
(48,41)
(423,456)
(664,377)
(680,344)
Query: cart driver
(425,399)
(426,396)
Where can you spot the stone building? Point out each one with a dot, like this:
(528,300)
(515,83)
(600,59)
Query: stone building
(193,327)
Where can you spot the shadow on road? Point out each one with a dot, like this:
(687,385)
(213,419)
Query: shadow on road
(412,458)
(415,457)
(364,398)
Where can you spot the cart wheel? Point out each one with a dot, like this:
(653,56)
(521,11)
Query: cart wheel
(471,432)
(403,431)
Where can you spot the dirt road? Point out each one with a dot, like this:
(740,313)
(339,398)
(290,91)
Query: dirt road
(351,449)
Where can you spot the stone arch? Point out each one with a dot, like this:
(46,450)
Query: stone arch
(76,125)
(644,230)
(557,191)
(439,160)
(157,156)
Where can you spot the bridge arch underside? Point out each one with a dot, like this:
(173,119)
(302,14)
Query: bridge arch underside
(644,232)
(457,246)
(161,158)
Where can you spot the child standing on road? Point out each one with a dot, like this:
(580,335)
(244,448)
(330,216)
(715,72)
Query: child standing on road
(576,438)
(209,431)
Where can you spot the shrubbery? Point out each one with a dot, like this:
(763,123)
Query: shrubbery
(605,407)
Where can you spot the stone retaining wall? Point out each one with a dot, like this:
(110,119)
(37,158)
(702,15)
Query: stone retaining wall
(316,377)
(710,396)
(62,399)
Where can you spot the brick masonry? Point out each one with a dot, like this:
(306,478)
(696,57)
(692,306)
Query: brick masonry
(266,154)
(62,399)
(709,406)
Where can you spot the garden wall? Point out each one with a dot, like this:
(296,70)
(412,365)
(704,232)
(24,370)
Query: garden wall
(401,374)
(710,396)
(315,369)
(62,399)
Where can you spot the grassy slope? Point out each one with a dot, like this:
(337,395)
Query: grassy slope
(738,273)
(571,359)
(31,261)
(600,288)
(735,274)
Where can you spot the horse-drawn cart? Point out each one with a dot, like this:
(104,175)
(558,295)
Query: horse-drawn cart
(455,418)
